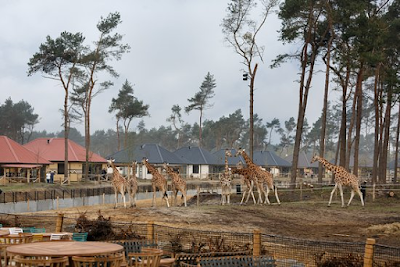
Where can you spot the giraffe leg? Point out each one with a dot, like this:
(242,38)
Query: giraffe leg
(165,196)
(266,197)
(175,198)
(248,192)
(243,196)
(351,197)
(123,198)
(116,199)
(184,197)
(341,194)
(333,191)
(276,195)
(263,192)
(252,193)
(361,196)
(153,203)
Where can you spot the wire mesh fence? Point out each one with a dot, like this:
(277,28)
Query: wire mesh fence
(286,250)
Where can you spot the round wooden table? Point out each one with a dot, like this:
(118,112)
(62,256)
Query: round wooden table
(64,248)
(4,232)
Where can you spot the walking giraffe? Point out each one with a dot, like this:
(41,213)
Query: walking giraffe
(118,182)
(157,182)
(264,178)
(226,180)
(132,186)
(342,177)
(249,180)
(178,184)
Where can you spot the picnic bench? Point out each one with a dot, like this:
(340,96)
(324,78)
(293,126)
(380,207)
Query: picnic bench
(232,261)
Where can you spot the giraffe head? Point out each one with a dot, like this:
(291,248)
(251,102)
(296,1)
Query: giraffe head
(315,158)
(228,153)
(239,152)
(165,165)
(144,160)
(110,162)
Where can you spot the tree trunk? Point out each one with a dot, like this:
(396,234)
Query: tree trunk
(359,96)
(118,138)
(201,117)
(386,137)
(377,125)
(350,131)
(324,110)
(304,89)
(252,78)
(396,156)
(66,132)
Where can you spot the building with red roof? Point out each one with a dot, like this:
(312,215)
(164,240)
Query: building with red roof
(53,150)
(19,163)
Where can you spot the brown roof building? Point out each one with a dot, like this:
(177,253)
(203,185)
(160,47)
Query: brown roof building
(53,149)
(17,163)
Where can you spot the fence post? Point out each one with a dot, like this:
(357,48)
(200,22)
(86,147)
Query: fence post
(150,231)
(59,223)
(256,242)
(373,192)
(369,252)
(198,195)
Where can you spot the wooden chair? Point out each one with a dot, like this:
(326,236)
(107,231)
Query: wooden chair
(11,240)
(15,230)
(40,261)
(38,230)
(143,259)
(58,237)
(82,237)
(113,260)
(28,229)
(37,237)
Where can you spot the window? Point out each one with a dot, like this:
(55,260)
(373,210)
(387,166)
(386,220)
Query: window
(196,168)
(60,168)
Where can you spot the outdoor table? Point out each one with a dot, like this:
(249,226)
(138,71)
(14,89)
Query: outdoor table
(4,232)
(65,248)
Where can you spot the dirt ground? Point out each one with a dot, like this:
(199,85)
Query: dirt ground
(307,219)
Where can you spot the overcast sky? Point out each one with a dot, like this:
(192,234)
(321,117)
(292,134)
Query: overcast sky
(174,43)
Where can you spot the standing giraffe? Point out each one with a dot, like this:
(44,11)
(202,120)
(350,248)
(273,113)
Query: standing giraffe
(264,178)
(158,181)
(249,180)
(226,180)
(132,186)
(342,177)
(118,182)
(178,184)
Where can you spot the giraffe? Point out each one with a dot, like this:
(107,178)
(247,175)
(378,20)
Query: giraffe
(342,177)
(132,186)
(118,182)
(158,181)
(178,184)
(226,180)
(249,180)
(264,178)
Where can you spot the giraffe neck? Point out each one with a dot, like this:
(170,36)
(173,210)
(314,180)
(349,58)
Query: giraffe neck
(328,165)
(151,169)
(226,164)
(247,159)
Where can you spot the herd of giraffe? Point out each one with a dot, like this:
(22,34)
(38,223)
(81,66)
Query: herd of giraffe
(253,175)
